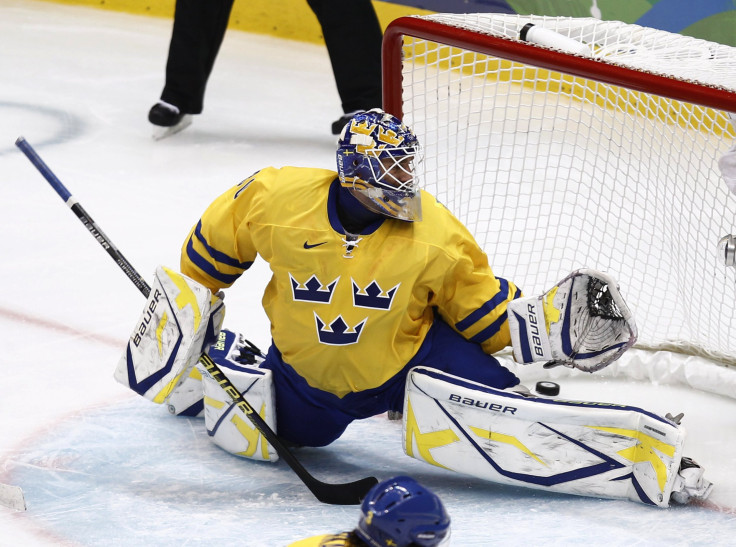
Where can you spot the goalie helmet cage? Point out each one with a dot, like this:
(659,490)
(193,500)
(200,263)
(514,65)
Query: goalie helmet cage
(604,158)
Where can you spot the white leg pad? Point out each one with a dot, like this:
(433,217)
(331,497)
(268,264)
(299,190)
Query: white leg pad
(584,448)
(228,426)
(186,399)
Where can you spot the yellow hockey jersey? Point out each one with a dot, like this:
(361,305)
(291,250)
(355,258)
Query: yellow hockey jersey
(328,540)
(347,313)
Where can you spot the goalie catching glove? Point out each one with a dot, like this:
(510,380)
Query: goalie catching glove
(582,322)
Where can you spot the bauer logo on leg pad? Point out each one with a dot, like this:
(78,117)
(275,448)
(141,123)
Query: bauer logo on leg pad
(577,447)
(169,336)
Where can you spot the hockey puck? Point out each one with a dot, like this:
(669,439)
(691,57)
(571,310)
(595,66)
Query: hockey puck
(548,388)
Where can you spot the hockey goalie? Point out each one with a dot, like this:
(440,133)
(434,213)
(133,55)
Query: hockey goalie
(381,300)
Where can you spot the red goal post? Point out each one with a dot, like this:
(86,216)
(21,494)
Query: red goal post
(558,160)
(523,52)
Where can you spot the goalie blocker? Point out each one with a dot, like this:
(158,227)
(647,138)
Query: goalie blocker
(181,318)
(582,322)
(576,447)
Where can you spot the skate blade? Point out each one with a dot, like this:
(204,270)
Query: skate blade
(163,132)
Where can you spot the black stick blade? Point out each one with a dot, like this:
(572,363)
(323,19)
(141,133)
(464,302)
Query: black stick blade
(349,493)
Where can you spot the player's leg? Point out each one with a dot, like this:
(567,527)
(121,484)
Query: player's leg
(446,350)
(305,416)
(353,37)
(229,350)
(443,349)
(198,31)
(226,423)
(584,448)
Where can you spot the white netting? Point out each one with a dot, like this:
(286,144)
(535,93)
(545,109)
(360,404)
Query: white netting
(631,46)
(552,172)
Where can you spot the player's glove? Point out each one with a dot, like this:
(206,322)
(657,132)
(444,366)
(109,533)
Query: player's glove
(180,320)
(582,322)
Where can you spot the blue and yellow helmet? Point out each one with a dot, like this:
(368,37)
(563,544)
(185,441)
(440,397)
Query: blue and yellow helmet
(400,512)
(376,160)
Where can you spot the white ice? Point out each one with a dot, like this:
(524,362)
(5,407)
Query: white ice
(101,466)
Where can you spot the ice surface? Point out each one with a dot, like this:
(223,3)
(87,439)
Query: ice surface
(100,466)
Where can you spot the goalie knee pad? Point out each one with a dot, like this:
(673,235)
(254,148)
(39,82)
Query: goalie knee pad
(180,318)
(226,423)
(584,448)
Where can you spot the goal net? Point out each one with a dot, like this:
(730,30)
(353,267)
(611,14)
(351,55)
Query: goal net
(599,150)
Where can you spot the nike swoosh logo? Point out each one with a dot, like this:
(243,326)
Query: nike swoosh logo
(308,246)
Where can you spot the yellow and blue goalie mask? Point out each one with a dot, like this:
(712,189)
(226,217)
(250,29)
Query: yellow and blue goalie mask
(377,156)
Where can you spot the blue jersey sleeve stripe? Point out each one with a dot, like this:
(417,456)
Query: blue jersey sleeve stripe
(219,256)
(491,330)
(485,309)
(494,328)
(200,262)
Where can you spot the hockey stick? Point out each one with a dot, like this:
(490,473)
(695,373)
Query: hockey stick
(82,215)
(336,494)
